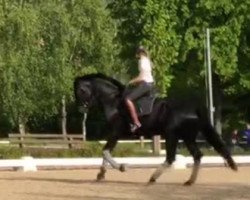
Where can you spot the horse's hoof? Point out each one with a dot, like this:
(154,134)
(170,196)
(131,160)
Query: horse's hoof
(188,183)
(122,168)
(152,180)
(100,176)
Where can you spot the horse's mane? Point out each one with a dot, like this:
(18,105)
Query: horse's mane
(115,82)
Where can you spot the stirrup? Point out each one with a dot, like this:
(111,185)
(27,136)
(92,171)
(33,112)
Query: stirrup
(134,127)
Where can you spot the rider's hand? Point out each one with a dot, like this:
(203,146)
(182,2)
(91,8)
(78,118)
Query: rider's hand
(132,82)
(135,81)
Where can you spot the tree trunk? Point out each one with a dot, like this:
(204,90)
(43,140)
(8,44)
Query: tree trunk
(21,127)
(84,131)
(64,118)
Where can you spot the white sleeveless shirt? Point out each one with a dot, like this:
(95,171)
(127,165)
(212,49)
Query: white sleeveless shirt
(145,69)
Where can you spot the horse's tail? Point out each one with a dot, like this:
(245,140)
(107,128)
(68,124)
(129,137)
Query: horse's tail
(215,140)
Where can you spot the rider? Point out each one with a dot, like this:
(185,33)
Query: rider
(143,84)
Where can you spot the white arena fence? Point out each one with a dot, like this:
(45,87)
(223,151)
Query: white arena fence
(182,162)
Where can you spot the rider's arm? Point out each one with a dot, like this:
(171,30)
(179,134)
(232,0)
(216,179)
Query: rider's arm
(136,80)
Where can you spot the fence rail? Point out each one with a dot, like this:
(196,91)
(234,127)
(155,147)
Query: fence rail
(71,140)
(156,143)
(77,141)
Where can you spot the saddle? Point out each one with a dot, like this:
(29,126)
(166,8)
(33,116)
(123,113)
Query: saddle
(144,105)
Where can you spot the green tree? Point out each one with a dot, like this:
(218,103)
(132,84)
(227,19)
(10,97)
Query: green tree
(155,24)
(43,45)
(91,36)
(174,32)
(18,38)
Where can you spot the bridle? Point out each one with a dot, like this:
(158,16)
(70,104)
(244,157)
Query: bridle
(85,103)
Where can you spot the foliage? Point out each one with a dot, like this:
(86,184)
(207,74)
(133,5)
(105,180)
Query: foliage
(174,33)
(152,24)
(43,46)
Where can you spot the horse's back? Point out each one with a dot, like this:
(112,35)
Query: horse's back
(185,112)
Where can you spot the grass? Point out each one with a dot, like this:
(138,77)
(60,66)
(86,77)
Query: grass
(94,149)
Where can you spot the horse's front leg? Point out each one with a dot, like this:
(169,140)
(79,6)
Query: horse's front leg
(103,170)
(108,159)
(107,156)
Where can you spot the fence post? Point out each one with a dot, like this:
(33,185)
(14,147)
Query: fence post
(70,141)
(156,144)
(142,141)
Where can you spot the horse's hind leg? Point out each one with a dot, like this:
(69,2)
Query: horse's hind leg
(196,153)
(171,145)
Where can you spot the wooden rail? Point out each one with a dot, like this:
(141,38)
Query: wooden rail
(72,141)
(77,141)
(156,143)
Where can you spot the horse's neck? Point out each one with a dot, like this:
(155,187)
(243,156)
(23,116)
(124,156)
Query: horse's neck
(108,96)
(106,91)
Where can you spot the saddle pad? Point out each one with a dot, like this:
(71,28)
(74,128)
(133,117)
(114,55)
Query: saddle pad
(144,105)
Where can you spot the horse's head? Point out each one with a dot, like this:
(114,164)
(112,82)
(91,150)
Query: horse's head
(96,87)
(83,94)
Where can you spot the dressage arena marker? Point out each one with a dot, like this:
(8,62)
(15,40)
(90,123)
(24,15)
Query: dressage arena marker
(182,162)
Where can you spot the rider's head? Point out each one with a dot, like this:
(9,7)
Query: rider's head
(141,51)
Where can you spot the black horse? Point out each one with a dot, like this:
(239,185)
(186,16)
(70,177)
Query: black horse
(173,119)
